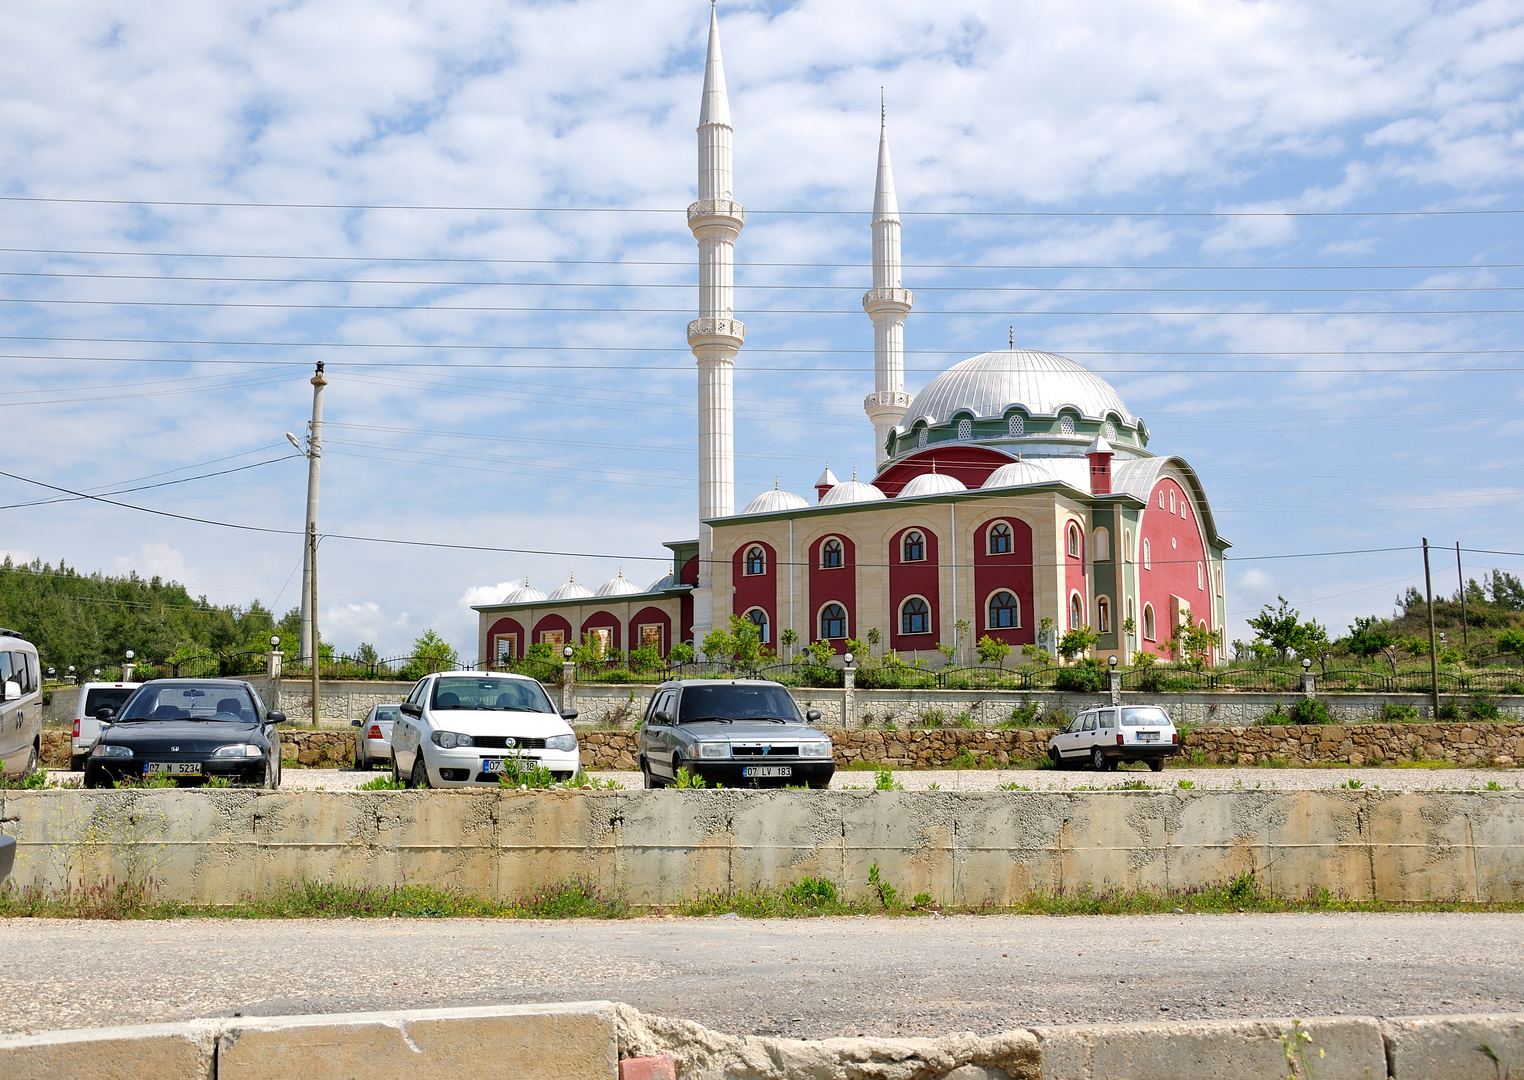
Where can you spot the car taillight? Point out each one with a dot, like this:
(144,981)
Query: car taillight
(1175,738)
(76,727)
(375,731)
(1119,738)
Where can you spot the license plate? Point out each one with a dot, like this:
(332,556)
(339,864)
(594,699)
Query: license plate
(173,768)
(1148,736)
(767,770)
(493,765)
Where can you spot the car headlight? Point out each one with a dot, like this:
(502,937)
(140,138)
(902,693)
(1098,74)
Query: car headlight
(450,739)
(713,750)
(106,750)
(815,749)
(561,742)
(240,750)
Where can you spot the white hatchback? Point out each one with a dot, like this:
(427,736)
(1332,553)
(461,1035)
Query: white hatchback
(1107,737)
(461,728)
(93,697)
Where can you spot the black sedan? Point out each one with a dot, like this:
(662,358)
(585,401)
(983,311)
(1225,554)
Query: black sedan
(737,733)
(191,730)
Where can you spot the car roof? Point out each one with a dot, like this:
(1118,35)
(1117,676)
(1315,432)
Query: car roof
(197,682)
(113,685)
(481,675)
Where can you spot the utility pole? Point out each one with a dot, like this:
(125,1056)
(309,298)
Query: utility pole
(1465,639)
(1428,592)
(314,454)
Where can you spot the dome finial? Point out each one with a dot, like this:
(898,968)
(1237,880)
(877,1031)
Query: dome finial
(933,464)
(775,483)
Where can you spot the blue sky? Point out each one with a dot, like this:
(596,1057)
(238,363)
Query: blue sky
(520,379)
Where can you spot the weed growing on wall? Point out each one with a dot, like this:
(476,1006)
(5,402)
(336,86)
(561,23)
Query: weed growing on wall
(383,783)
(883,780)
(887,894)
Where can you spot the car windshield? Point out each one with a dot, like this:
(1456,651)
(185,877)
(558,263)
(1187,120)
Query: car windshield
(736,703)
(191,701)
(514,695)
(106,697)
(1144,717)
(389,713)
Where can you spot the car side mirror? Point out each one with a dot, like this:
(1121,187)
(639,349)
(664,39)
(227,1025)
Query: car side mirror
(275,718)
(356,723)
(568,714)
(661,716)
(411,708)
(813,715)
(104,714)
(12,690)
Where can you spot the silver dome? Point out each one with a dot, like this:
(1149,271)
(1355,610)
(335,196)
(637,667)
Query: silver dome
(774,501)
(571,591)
(1018,474)
(988,384)
(853,491)
(663,583)
(931,483)
(618,586)
(526,595)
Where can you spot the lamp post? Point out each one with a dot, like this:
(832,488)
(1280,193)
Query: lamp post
(128,667)
(568,677)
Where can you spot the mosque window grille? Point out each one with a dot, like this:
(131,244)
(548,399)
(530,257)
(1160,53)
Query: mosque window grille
(920,439)
(1200,578)
(915,547)
(1074,541)
(1000,539)
(1111,431)
(965,430)
(1066,425)
(1148,555)
(1172,501)
(915,616)
(1016,426)
(1003,611)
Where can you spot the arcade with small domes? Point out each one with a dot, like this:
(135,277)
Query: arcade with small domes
(1015,494)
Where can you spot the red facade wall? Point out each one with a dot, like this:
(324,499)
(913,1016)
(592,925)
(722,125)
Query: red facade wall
(907,579)
(504,626)
(970,464)
(651,615)
(756,590)
(1074,579)
(690,572)
(554,622)
(1012,571)
(1175,550)
(839,585)
(601,619)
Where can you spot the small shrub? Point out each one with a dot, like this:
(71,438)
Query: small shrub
(1513,686)
(931,718)
(963,759)
(883,780)
(966,721)
(1187,785)
(526,773)
(220,782)
(1024,715)
(382,783)
(921,900)
(1088,676)
(1448,710)
(1275,761)
(687,780)
(1352,785)
(888,895)
(1309,711)
(1493,785)
(1013,786)
(1482,707)
(812,892)
(1393,713)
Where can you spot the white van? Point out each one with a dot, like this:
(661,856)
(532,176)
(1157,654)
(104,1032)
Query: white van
(93,697)
(20,705)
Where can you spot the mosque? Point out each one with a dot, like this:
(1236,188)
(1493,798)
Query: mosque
(1015,497)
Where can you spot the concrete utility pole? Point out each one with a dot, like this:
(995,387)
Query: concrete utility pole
(1428,592)
(314,454)
(1465,637)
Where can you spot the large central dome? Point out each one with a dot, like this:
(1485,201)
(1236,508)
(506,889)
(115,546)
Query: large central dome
(988,384)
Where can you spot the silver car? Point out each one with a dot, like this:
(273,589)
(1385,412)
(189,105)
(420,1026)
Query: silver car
(373,737)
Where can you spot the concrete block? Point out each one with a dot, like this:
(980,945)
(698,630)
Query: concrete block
(660,1067)
(1455,1047)
(161,1051)
(1210,1050)
(530,1042)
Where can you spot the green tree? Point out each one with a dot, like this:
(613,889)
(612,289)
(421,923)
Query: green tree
(992,651)
(366,653)
(746,643)
(1367,638)
(718,646)
(821,652)
(788,639)
(1284,632)
(1506,591)
(1076,641)
(431,653)
(681,653)
(875,639)
(1194,644)
(1511,641)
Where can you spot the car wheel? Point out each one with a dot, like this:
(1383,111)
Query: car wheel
(396,773)
(32,761)
(272,776)
(1055,757)
(1098,760)
(647,779)
(361,765)
(420,774)
(1157,764)
(77,762)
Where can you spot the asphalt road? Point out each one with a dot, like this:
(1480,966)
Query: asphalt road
(809,978)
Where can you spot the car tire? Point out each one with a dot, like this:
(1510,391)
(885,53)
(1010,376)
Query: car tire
(1098,760)
(362,763)
(1055,757)
(419,777)
(77,762)
(272,775)
(33,761)
(1156,764)
(647,778)
(396,773)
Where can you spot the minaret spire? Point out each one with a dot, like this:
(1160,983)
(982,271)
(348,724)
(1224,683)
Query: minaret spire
(887,303)
(715,336)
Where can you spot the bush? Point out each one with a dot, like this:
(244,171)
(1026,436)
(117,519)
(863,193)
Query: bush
(1309,711)
(1392,713)
(1482,707)
(1088,676)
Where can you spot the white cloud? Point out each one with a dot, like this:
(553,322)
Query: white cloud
(154,560)
(489,594)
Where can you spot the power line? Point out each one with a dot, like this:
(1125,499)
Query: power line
(251,205)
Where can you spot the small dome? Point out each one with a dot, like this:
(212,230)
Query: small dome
(853,491)
(662,584)
(774,501)
(1018,474)
(988,384)
(526,595)
(571,591)
(932,483)
(512,595)
(618,587)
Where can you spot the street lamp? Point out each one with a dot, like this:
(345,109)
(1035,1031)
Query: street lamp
(274,641)
(567,652)
(847,658)
(1112,660)
(1306,663)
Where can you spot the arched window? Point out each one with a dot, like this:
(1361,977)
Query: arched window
(833,621)
(1102,615)
(1074,541)
(1172,500)
(1004,611)
(758,618)
(830,554)
(1102,545)
(1130,615)
(915,616)
(915,547)
(1000,538)
(1200,577)
(965,429)
(1066,425)
(756,561)
(1161,498)
(1076,611)
(1127,544)
(1148,621)
(1016,426)
(1148,559)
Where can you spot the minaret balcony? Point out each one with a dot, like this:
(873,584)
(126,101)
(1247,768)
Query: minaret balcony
(731,332)
(893,399)
(888,301)
(709,213)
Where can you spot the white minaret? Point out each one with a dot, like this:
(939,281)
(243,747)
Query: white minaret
(887,304)
(715,336)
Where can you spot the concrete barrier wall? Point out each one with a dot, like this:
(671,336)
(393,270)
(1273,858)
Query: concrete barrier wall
(604,1041)
(962,848)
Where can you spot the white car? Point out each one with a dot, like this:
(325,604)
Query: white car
(373,736)
(93,697)
(1107,737)
(462,728)
(20,705)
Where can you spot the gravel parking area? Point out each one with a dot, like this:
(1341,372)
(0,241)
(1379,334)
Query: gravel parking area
(811,978)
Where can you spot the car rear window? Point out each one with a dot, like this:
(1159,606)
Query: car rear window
(195,702)
(1144,717)
(737,703)
(386,714)
(516,695)
(108,697)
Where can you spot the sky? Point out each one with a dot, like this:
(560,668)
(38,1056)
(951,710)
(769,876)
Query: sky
(1288,233)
